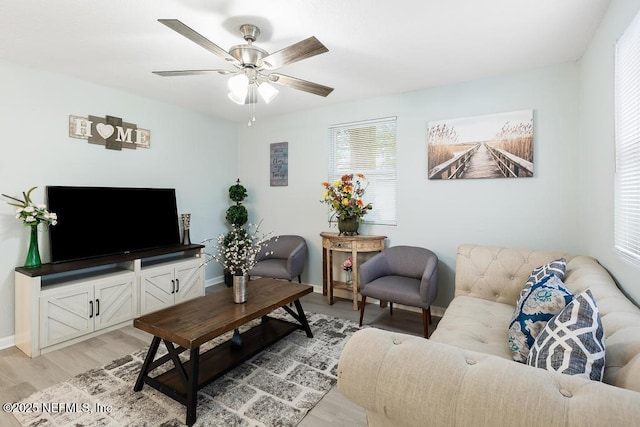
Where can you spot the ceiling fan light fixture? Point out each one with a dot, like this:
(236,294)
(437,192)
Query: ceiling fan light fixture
(239,85)
(238,99)
(267,92)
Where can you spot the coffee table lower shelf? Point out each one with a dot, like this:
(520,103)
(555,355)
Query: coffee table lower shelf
(221,359)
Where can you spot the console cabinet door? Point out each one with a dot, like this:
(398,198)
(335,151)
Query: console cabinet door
(115,301)
(190,281)
(66,314)
(157,289)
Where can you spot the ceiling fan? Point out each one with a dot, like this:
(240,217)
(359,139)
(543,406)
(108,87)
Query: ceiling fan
(254,66)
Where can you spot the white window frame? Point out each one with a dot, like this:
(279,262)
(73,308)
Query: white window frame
(627,141)
(374,155)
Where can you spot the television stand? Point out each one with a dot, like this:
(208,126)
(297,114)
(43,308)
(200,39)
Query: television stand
(59,304)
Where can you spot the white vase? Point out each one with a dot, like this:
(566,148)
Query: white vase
(240,288)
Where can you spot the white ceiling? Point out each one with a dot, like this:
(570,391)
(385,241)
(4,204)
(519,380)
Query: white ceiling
(376,47)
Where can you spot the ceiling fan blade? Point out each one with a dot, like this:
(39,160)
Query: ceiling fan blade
(314,88)
(190,72)
(294,53)
(197,38)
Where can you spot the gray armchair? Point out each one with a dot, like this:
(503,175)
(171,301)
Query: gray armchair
(403,274)
(287,260)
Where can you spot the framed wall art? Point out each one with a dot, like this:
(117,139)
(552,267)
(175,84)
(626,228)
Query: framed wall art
(488,146)
(279,170)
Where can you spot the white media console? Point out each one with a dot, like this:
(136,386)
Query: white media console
(60,304)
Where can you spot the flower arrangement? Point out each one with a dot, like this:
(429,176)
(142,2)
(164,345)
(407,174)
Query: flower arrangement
(348,267)
(348,264)
(344,197)
(236,251)
(32,214)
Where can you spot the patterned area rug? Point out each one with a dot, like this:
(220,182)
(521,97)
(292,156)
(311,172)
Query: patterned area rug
(275,388)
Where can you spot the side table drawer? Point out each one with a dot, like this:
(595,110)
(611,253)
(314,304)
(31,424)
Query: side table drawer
(369,245)
(341,245)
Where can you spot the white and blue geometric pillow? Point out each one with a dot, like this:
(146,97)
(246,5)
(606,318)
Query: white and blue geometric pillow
(573,341)
(557,267)
(544,300)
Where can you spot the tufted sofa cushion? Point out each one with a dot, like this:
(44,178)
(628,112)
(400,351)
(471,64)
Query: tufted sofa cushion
(476,324)
(497,274)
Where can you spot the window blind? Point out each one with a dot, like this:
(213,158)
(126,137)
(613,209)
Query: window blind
(627,139)
(368,147)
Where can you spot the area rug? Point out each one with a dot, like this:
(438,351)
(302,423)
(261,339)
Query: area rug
(275,388)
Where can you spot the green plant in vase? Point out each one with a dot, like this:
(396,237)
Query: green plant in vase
(32,215)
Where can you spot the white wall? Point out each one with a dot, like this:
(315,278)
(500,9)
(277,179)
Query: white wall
(190,152)
(538,212)
(597,146)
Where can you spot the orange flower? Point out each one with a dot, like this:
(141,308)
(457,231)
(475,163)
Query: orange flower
(361,176)
(325,184)
(359,202)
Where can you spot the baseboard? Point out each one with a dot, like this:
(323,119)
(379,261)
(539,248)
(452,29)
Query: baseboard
(213,281)
(7,342)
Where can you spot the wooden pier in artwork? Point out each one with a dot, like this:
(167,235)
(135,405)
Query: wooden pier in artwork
(482,161)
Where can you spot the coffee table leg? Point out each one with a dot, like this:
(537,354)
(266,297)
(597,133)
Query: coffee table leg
(236,340)
(153,348)
(192,386)
(303,319)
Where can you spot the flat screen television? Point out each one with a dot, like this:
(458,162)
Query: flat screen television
(99,221)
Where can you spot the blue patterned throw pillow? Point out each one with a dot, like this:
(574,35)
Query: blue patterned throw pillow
(573,341)
(544,300)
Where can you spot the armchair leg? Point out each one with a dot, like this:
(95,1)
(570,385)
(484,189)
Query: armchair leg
(390,308)
(363,302)
(300,278)
(425,314)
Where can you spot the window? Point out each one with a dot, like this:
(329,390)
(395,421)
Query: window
(627,134)
(369,148)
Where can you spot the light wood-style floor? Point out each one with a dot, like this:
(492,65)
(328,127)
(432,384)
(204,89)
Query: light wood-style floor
(21,376)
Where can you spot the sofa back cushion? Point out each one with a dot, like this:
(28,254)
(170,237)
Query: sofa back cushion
(498,274)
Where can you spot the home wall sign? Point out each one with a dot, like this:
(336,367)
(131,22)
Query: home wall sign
(279,170)
(109,131)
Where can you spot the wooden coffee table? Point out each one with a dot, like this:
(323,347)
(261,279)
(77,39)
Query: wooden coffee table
(188,325)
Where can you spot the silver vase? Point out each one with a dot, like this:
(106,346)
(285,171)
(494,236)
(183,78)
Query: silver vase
(240,288)
(186,225)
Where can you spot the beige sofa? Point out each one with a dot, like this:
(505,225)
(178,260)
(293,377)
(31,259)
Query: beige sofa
(464,374)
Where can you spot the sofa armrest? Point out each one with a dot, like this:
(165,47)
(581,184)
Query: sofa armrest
(404,380)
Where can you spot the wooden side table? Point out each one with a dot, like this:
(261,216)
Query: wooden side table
(353,244)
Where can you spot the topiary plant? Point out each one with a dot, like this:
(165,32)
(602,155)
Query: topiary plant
(237,214)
